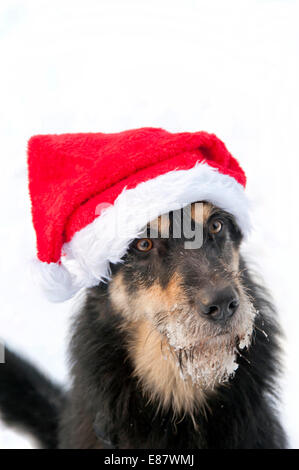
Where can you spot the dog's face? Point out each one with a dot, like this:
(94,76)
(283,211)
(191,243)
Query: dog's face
(189,303)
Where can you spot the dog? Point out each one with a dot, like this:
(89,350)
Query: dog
(179,350)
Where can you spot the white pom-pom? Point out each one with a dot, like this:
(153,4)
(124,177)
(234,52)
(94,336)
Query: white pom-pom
(55,280)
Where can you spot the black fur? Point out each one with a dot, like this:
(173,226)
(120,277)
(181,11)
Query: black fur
(106,407)
(29,400)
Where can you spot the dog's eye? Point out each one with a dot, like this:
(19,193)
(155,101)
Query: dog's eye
(144,244)
(215,226)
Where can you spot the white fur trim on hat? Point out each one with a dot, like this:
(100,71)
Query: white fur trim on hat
(106,240)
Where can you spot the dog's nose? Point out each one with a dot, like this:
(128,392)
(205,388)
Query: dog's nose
(222,304)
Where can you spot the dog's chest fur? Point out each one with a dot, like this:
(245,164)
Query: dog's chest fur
(110,407)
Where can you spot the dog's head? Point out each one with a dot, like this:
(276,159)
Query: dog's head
(185,305)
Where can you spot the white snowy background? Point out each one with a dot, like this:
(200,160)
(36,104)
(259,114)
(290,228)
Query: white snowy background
(229,67)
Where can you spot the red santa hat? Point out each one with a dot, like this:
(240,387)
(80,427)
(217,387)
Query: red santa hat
(93,193)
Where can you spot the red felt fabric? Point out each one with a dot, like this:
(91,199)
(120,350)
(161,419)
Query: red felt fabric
(70,174)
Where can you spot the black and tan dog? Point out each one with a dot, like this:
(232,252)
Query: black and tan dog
(178,350)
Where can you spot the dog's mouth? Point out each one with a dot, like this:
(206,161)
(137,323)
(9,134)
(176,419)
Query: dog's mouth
(205,353)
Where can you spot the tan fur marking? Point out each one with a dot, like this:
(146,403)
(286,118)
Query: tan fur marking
(118,294)
(147,301)
(157,368)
